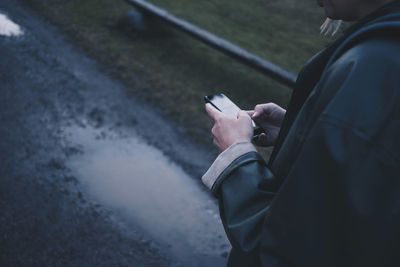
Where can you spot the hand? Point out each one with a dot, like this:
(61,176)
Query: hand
(227,130)
(269,117)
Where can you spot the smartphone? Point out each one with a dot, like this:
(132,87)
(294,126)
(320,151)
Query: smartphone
(222,103)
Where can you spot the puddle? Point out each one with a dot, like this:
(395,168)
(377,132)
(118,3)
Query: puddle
(143,185)
(9,28)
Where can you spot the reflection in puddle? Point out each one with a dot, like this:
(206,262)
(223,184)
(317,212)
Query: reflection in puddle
(129,176)
(8,28)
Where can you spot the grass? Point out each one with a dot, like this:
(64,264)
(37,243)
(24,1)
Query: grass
(172,71)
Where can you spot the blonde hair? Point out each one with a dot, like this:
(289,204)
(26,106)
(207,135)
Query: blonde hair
(330,26)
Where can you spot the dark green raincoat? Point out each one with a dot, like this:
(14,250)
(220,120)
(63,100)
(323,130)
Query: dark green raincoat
(330,195)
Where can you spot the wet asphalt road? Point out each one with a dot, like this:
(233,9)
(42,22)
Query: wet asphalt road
(91,176)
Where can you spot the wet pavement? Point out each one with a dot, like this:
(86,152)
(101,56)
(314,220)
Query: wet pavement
(86,180)
(139,182)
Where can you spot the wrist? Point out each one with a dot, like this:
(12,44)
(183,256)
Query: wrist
(236,141)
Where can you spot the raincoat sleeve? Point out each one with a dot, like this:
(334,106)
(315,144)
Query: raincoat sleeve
(242,211)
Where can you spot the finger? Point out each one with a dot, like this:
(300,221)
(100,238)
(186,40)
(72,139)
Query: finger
(260,139)
(215,113)
(261,109)
(214,130)
(212,112)
(216,143)
(250,112)
(243,115)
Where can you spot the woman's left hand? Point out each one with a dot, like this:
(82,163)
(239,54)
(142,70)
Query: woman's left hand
(227,130)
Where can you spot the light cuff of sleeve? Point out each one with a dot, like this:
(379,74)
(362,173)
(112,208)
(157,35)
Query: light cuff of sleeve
(224,160)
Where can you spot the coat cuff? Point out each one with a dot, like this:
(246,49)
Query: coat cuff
(224,160)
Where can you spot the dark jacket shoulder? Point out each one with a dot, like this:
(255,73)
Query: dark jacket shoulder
(361,82)
(358,94)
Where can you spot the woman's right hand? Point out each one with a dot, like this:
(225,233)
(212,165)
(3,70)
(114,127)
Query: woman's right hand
(269,117)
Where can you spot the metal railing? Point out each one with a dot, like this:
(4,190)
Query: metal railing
(274,71)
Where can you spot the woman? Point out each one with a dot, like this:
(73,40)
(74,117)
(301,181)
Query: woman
(330,194)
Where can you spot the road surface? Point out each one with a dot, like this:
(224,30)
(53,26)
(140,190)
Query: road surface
(90,175)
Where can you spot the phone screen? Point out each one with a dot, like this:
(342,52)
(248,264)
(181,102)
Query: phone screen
(223,104)
(226,106)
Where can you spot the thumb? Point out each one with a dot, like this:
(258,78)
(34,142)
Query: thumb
(250,112)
